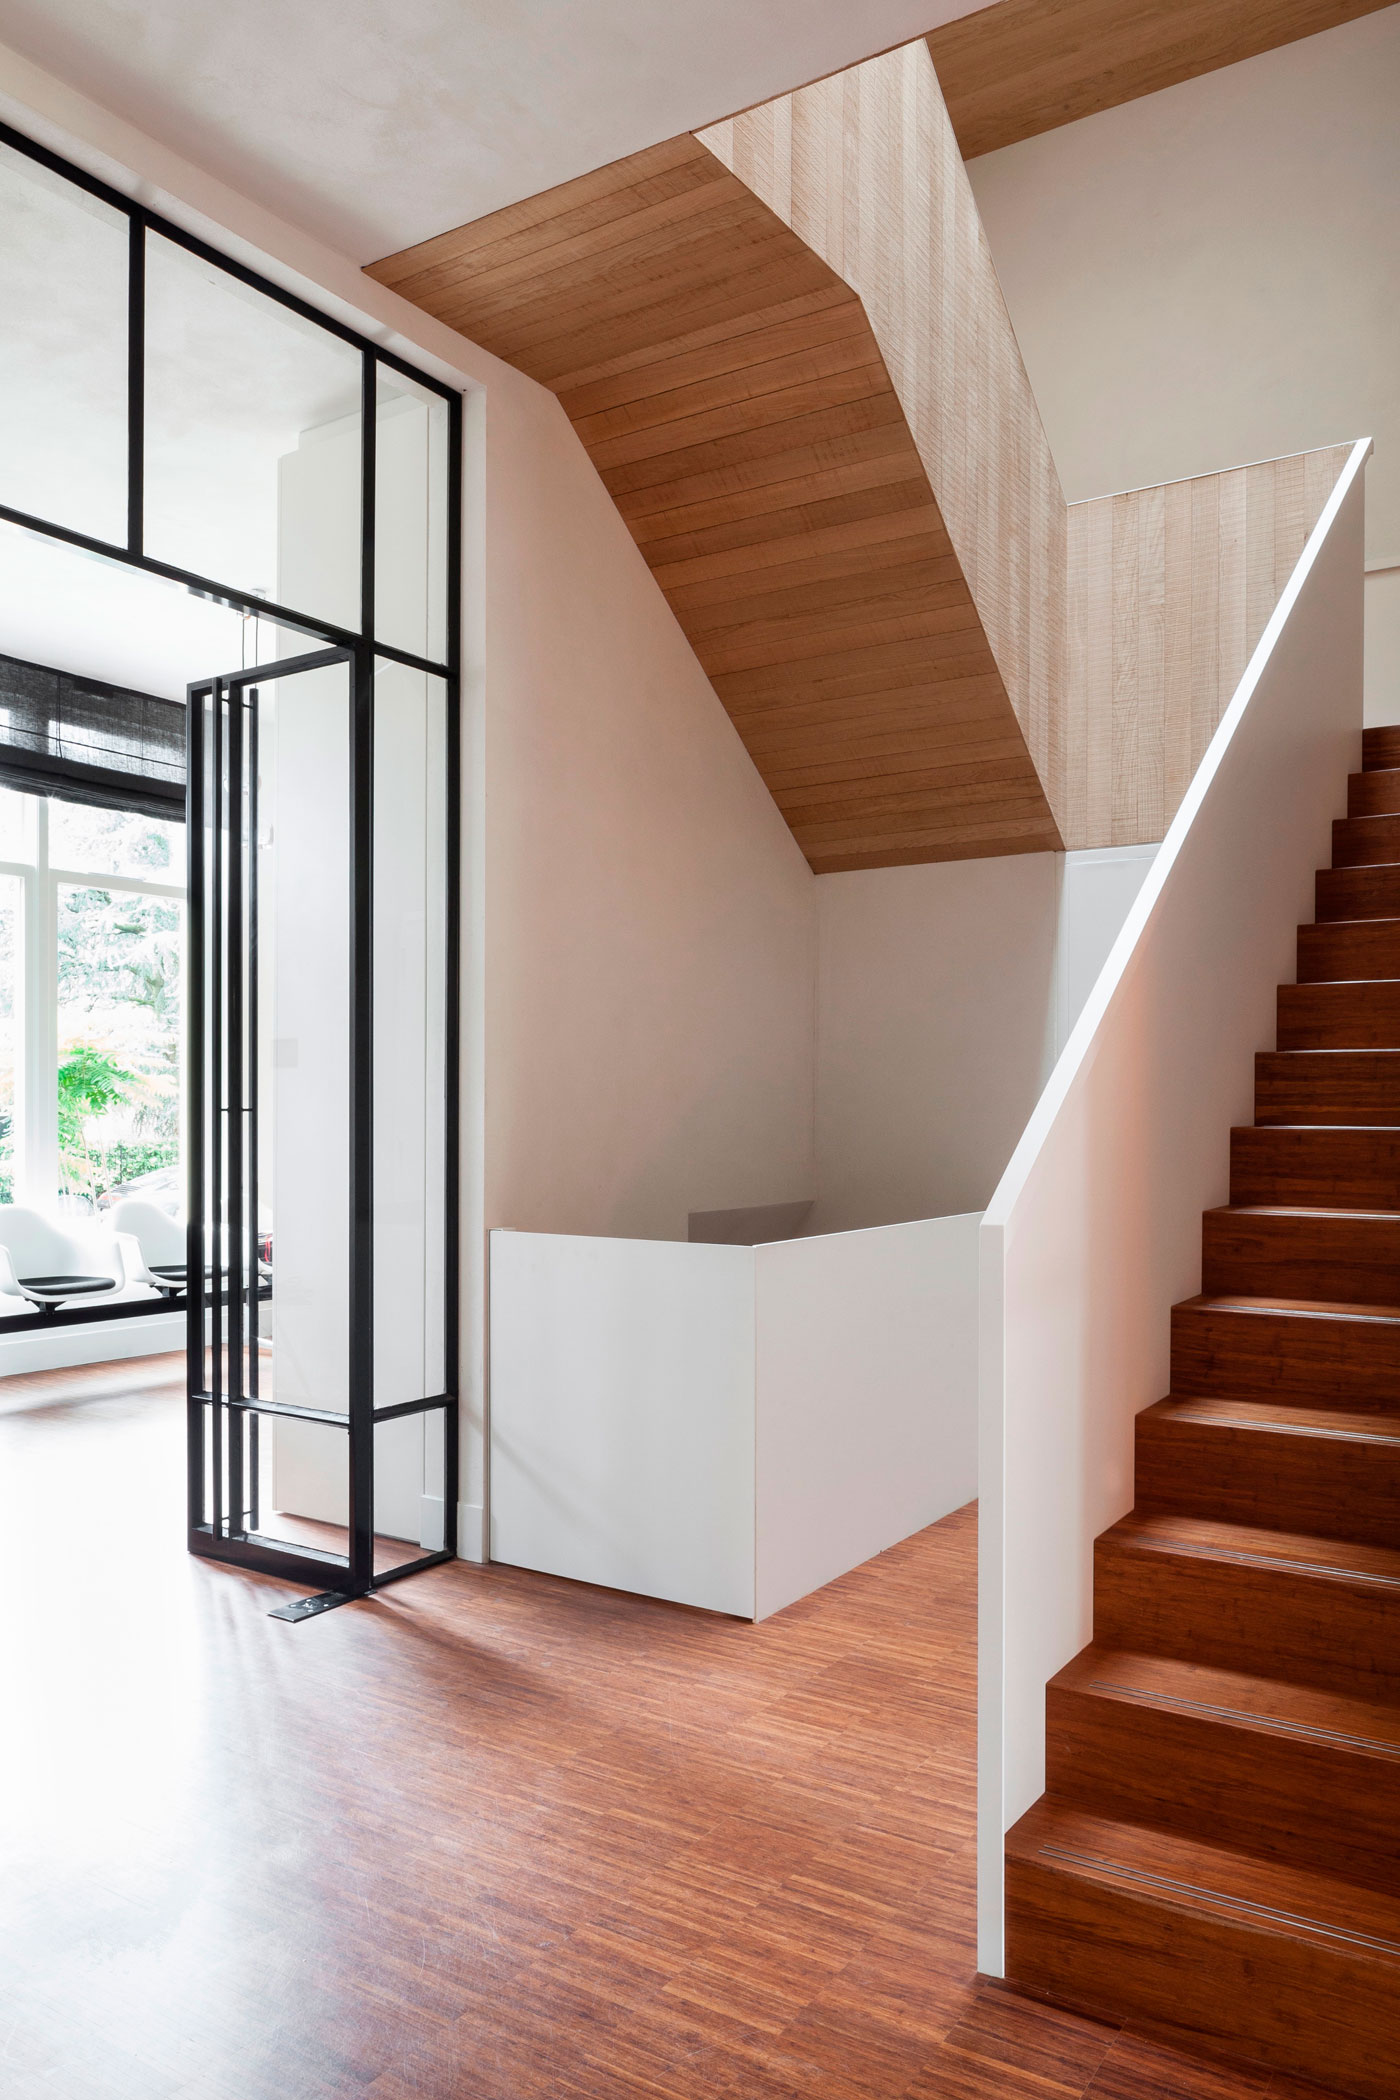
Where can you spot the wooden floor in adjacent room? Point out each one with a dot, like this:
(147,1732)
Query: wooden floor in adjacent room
(488,1835)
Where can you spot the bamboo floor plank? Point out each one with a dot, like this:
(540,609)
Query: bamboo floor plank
(489,1834)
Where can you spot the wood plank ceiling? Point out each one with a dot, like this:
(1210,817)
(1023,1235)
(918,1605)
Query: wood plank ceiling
(1026,66)
(729,389)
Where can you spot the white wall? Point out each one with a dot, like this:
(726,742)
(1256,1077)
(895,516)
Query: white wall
(729,1426)
(865,1367)
(1097,891)
(622,1415)
(944,995)
(650,932)
(935,1014)
(1211,275)
(1383,644)
(1095,1229)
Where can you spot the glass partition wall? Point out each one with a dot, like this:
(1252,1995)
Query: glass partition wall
(166,409)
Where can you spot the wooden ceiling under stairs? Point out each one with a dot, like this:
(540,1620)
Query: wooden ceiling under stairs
(730,389)
(1218,1848)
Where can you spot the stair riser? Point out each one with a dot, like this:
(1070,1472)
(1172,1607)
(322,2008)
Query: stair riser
(1266,1356)
(1365,842)
(1337,1632)
(1359,1086)
(1357,893)
(1380,747)
(1339,1016)
(1284,1797)
(1327,1487)
(1344,1260)
(1348,950)
(1338,1169)
(1374,794)
(1213,1981)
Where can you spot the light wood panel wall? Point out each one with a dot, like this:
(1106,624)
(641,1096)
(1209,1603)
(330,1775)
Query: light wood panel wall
(729,387)
(1169,590)
(866,170)
(1024,66)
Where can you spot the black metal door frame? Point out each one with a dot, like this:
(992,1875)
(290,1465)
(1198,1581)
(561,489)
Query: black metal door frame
(225,1285)
(328,642)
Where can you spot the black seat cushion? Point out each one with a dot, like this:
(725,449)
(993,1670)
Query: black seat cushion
(66,1286)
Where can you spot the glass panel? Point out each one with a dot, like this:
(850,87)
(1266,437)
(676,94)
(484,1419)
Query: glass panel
(252,440)
(63,298)
(11,1024)
(302,991)
(17,825)
(115,842)
(410,507)
(303,1472)
(303,1483)
(410,1012)
(407,1489)
(120,999)
(101,619)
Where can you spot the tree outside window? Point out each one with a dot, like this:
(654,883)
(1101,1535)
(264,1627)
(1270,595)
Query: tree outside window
(119,957)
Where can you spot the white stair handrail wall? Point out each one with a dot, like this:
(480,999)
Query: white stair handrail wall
(1095,1228)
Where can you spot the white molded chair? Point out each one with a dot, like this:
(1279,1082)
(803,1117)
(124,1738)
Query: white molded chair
(152,1244)
(154,1247)
(43,1266)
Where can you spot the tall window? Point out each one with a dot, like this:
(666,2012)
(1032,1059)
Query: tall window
(91,999)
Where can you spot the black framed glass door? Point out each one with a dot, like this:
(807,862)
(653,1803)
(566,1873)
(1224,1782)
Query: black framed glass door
(321,1422)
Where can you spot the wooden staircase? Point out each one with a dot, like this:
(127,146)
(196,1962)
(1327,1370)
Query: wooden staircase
(1217,1853)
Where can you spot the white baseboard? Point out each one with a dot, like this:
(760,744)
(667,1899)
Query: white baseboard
(60,1348)
(470,1529)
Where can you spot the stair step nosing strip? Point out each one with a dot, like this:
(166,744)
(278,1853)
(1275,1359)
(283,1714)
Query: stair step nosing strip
(1303,1729)
(1269,1560)
(1221,1302)
(1272,1428)
(1219,1899)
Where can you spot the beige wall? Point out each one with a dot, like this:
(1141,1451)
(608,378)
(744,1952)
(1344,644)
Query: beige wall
(649,948)
(1211,275)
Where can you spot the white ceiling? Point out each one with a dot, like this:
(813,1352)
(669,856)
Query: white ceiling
(375,123)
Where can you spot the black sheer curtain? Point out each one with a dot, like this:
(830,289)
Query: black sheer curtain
(86,741)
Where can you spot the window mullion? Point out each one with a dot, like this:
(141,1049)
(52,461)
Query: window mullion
(39,1078)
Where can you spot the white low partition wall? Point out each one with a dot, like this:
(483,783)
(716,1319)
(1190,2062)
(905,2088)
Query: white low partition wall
(96,1342)
(1095,1229)
(729,1427)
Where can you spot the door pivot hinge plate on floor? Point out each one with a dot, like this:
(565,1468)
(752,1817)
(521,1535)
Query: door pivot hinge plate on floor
(312,1607)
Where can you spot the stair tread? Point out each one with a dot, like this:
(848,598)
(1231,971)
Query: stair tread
(1214,1539)
(1244,1302)
(1192,1876)
(1267,1703)
(1350,1425)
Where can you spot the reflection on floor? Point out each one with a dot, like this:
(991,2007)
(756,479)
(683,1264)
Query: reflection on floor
(488,1835)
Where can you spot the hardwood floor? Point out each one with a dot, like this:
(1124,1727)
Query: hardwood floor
(489,1834)
(1218,1844)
